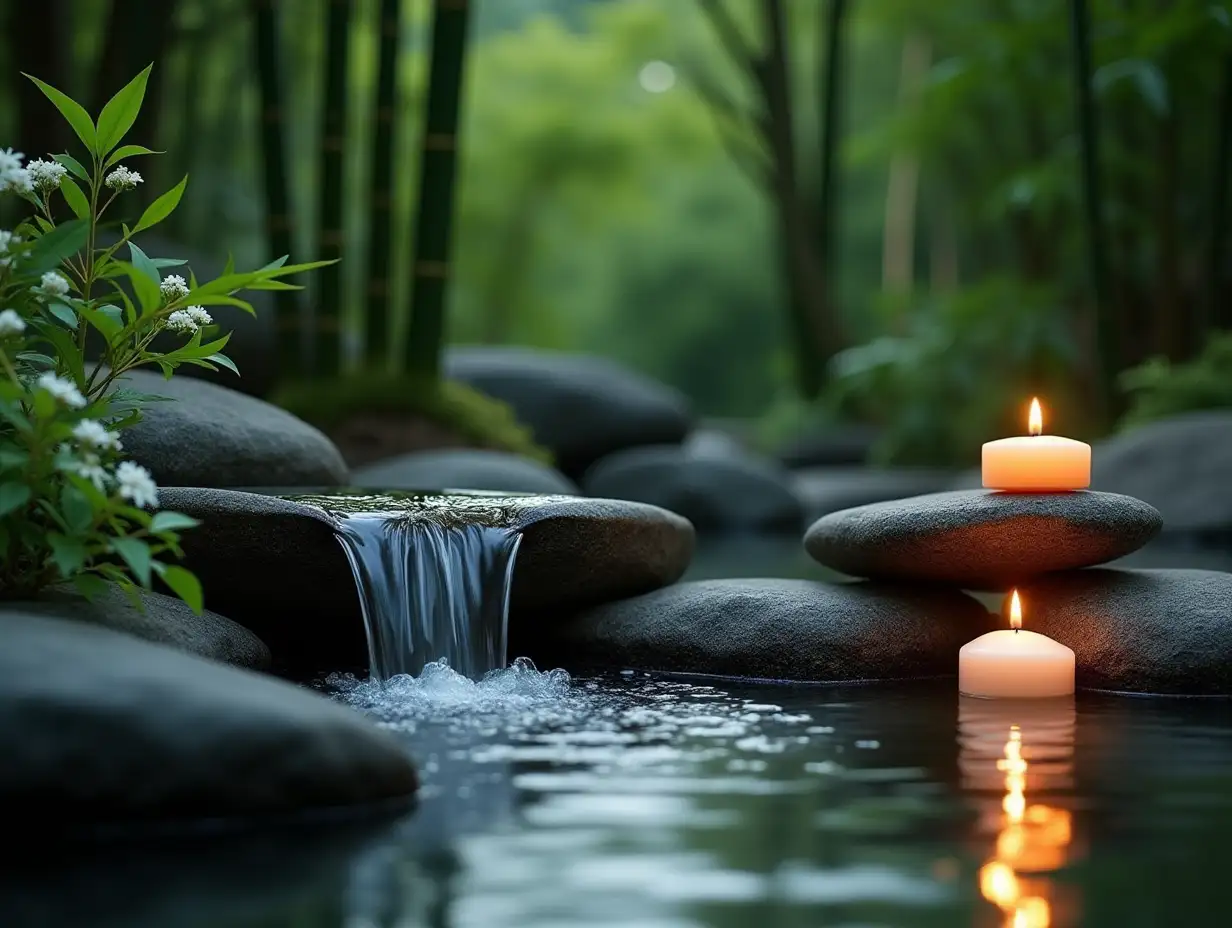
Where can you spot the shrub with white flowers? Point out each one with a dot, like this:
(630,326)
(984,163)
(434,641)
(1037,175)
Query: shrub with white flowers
(71,507)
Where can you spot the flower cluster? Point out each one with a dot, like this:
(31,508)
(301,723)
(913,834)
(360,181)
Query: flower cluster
(11,323)
(52,286)
(12,175)
(173,287)
(189,319)
(46,175)
(122,179)
(8,242)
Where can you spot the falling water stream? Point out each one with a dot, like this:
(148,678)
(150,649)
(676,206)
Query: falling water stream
(431,592)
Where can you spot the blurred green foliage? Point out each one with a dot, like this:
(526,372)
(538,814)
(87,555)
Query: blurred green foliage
(601,212)
(1159,388)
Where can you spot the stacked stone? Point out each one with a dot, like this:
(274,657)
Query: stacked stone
(1147,631)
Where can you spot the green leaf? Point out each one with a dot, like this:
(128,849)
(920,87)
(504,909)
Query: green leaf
(73,111)
(37,359)
(67,350)
(64,313)
(69,554)
(186,586)
(129,151)
(90,586)
(161,208)
(74,166)
(77,510)
(13,496)
(136,554)
(142,262)
(161,263)
(223,361)
(106,319)
(12,460)
(75,199)
(171,521)
(61,242)
(121,111)
(230,265)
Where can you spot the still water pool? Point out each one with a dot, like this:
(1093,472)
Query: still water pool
(653,802)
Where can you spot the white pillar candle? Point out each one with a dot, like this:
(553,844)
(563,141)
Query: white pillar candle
(1035,462)
(1015,664)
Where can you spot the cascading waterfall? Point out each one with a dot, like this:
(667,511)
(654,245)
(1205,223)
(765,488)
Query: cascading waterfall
(431,591)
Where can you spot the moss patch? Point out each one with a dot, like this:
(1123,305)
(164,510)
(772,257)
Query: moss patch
(474,416)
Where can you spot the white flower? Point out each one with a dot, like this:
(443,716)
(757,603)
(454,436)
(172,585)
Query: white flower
(93,434)
(12,175)
(7,240)
(11,323)
(46,175)
(174,287)
(136,485)
(63,390)
(92,469)
(52,285)
(122,179)
(182,321)
(199,315)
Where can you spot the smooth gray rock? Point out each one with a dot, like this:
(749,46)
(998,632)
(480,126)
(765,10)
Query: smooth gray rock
(100,727)
(737,493)
(1141,631)
(277,567)
(836,446)
(824,490)
(165,620)
(979,539)
(1181,466)
(779,629)
(207,435)
(581,407)
(464,469)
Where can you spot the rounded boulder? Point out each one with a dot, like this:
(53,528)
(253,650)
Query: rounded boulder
(777,629)
(464,469)
(979,539)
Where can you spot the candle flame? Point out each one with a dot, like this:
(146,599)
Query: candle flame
(1015,611)
(1035,420)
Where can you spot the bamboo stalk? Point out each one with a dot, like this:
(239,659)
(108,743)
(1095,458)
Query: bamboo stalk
(430,270)
(266,50)
(830,94)
(326,356)
(1107,355)
(380,198)
(1218,306)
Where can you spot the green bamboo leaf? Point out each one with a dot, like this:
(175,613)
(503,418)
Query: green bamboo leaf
(136,554)
(74,166)
(129,151)
(142,262)
(108,323)
(65,314)
(167,521)
(75,199)
(13,496)
(68,554)
(63,241)
(223,361)
(161,208)
(121,111)
(73,111)
(186,586)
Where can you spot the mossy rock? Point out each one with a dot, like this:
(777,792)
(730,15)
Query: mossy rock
(376,416)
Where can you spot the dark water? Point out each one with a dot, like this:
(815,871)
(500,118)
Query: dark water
(660,803)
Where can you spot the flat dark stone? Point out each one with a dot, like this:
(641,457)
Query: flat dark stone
(276,566)
(1140,631)
(800,630)
(162,620)
(979,539)
(463,469)
(99,727)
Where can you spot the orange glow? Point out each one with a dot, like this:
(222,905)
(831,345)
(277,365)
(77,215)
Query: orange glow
(1035,420)
(1032,838)
(1015,611)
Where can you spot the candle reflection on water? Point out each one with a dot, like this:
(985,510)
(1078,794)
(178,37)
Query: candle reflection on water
(1022,753)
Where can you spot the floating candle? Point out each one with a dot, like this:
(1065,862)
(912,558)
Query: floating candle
(1012,663)
(1036,462)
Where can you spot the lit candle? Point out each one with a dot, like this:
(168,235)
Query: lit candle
(1036,462)
(1012,663)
